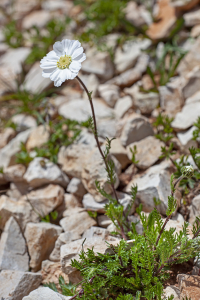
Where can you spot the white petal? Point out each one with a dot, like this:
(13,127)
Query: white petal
(67,44)
(48,64)
(58,83)
(75,66)
(52,56)
(47,72)
(65,74)
(73,47)
(55,75)
(81,58)
(77,52)
(58,48)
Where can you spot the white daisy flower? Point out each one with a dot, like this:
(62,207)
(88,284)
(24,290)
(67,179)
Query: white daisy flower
(63,62)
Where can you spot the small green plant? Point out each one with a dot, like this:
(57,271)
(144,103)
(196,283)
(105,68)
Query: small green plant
(196,132)
(23,157)
(47,218)
(164,129)
(134,152)
(13,36)
(67,289)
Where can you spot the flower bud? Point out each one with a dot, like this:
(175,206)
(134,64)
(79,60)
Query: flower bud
(187,171)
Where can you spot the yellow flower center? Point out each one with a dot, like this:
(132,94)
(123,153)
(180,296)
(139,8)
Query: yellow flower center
(64,62)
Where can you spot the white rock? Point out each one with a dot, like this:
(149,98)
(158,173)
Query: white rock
(87,138)
(194,209)
(76,188)
(172,290)
(14,173)
(92,83)
(187,116)
(110,93)
(123,105)
(21,210)
(106,128)
(13,59)
(146,103)
(120,153)
(103,221)
(46,199)
(136,128)
(148,151)
(5,136)
(94,169)
(34,82)
(41,171)
(126,57)
(90,204)
(184,4)
(38,137)
(40,238)
(193,82)
(97,232)
(137,15)
(45,293)
(77,223)
(24,122)
(36,18)
(98,63)
(72,159)
(7,153)
(195,32)
(13,252)
(155,182)
(193,98)
(186,139)
(192,18)
(15,284)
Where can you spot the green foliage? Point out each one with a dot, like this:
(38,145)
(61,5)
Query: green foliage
(163,128)
(196,132)
(134,152)
(92,214)
(47,219)
(1,170)
(13,36)
(67,289)
(23,157)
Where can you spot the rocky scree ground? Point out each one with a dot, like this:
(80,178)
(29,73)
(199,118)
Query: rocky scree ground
(48,156)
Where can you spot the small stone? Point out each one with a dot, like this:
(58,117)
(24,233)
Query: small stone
(148,151)
(94,169)
(137,15)
(146,103)
(92,83)
(187,116)
(40,238)
(123,106)
(166,21)
(5,136)
(76,188)
(155,182)
(87,138)
(192,18)
(136,128)
(51,271)
(106,128)
(17,190)
(36,18)
(189,286)
(184,4)
(41,171)
(193,98)
(14,173)
(120,153)
(98,63)
(72,159)
(97,232)
(8,153)
(24,122)
(103,221)
(38,137)
(90,204)
(129,77)
(186,139)
(110,93)
(15,284)
(45,293)
(21,210)
(77,223)
(195,32)
(172,290)
(193,81)
(13,252)
(194,209)
(126,57)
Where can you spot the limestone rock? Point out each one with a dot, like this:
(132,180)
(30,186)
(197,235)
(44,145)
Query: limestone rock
(38,137)
(94,169)
(76,188)
(5,136)
(46,199)
(194,209)
(7,153)
(51,271)
(97,232)
(184,4)
(21,210)
(72,159)
(172,290)
(120,153)
(40,239)
(41,171)
(136,128)
(126,57)
(24,122)
(186,139)
(98,63)
(36,18)
(123,105)
(110,93)
(77,223)
(106,128)
(15,284)
(14,173)
(103,221)
(193,98)
(187,116)
(13,252)
(45,293)
(92,83)
(148,151)
(192,18)
(155,182)
(189,286)
(137,15)
(195,32)
(90,204)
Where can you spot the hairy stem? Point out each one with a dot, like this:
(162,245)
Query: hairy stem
(100,150)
